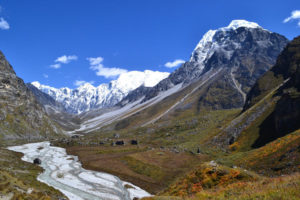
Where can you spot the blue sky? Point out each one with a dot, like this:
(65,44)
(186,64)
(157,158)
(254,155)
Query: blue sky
(123,34)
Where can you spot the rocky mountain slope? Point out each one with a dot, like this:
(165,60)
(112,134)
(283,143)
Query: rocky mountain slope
(87,97)
(270,121)
(285,117)
(21,116)
(243,51)
(46,100)
(55,110)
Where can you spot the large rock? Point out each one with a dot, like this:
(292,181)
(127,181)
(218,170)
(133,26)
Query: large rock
(37,161)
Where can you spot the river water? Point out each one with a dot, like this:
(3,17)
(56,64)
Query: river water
(65,173)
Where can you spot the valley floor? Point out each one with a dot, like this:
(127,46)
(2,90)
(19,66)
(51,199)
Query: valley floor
(174,159)
(166,172)
(172,175)
(152,169)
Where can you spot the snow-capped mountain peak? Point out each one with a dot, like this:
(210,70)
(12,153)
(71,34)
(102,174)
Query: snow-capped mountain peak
(87,97)
(234,24)
(208,44)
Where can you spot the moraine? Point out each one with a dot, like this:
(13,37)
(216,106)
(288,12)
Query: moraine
(65,173)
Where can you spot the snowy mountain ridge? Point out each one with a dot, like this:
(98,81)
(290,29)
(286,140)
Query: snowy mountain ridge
(207,45)
(88,97)
(234,24)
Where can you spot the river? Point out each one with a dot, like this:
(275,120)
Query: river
(65,173)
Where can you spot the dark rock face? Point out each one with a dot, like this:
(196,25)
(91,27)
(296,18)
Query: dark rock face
(286,116)
(287,66)
(37,161)
(284,120)
(21,116)
(280,110)
(243,54)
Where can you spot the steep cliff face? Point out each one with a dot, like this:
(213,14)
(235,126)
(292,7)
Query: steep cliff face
(21,116)
(286,115)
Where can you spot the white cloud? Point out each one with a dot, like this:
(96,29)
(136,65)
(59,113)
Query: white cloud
(4,24)
(101,70)
(45,76)
(63,60)
(295,15)
(55,66)
(95,61)
(66,59)
(175,63)
(81,82)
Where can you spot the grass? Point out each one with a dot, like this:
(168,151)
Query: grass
(281,156)
(150,169)
(250,134)
(281,188)
(119,150)
(147,169)
(184,129)
(207,176)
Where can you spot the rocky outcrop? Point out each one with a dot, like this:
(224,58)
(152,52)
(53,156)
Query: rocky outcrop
(37,161)
(286,116)
(21,116)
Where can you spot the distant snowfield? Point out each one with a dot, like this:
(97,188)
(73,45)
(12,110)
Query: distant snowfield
(65,173)
(88,97)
